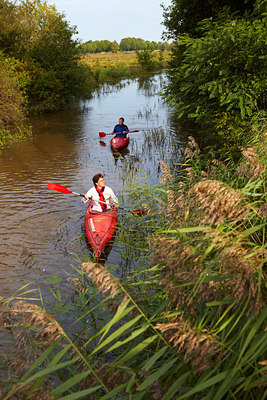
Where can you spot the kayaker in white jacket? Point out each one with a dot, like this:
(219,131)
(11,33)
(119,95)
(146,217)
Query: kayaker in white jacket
(103,196)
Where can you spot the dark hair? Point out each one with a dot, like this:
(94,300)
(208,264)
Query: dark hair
(96,178)
(122,119)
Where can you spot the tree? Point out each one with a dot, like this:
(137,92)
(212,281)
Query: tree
(125,44)
(221,77)
(42,39)
(182,16)
(114,47)
(12,101)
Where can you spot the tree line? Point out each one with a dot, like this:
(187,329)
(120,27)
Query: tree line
(126,44)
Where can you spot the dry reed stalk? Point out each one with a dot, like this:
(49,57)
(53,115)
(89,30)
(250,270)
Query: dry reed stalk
(253,169)
(148,209)
(181,206)
(238,262)
(218,163)
(220,202)
(48,328)
(190,173)
(111,377)
(32,329)
(104,281)
(204,174)
(180,267)
(192,150)
(78,285)
(166,174)
(263,210)
(158,390)
(40,393)
(198,346)
(171,202)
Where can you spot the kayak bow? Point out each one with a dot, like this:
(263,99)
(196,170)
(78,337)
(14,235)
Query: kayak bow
(100,227)
(118,143)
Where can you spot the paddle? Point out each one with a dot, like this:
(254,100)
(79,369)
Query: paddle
(103,134)
(63,189)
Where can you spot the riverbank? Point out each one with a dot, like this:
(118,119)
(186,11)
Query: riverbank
(109,67)
(98,69)
(8,136)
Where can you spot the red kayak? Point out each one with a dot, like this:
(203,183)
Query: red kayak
(100,227)
(118,143)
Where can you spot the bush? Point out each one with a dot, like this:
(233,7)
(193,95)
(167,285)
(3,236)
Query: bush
(43,42)
(13,81)
(219,78)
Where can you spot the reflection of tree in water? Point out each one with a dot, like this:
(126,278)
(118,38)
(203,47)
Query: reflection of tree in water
(151,85)
(148,85)
(109,88)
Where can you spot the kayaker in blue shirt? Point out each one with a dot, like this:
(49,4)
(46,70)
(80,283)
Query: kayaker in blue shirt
(120,129)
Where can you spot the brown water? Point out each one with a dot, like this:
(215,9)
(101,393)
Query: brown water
(38,227)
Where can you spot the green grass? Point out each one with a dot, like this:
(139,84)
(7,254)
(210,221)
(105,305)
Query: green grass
(107,67)
(19,133)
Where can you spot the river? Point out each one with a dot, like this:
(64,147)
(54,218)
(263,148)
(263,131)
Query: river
(38,227)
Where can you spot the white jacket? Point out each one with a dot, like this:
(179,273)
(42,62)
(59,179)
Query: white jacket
(109,195)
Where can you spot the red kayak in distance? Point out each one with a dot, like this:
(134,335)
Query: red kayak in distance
(118,143)
(100,227)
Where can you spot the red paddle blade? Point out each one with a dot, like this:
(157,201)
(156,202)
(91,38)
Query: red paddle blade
(133,131)
(103,144)
(58,188)
(102,134)
(138,212)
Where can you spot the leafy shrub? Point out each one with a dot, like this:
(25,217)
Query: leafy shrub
(13,81)
(220,76)
(145,58)
(41,38)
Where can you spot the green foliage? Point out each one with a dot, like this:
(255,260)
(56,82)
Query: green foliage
(145,59)
(13,81)
(98,46)
(126,44)
(41,39)
(183,16)
(220,77)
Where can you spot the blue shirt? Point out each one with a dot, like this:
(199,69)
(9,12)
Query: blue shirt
(118,129)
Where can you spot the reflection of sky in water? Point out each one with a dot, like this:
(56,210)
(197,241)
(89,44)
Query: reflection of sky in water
(38,227)
(134,102)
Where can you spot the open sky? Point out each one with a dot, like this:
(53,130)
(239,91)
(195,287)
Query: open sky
(114,19)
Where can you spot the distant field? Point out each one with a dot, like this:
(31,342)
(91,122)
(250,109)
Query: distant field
(118,60)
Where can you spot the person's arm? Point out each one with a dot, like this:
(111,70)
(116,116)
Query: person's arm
(113,198)
(88,195)
(126,130)
(115,129)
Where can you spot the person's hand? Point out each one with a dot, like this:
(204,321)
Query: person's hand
(84,200)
